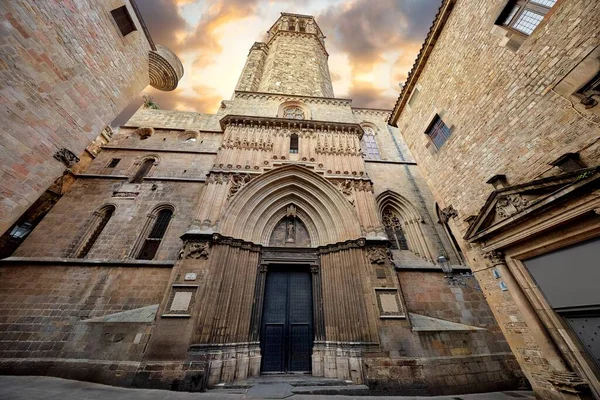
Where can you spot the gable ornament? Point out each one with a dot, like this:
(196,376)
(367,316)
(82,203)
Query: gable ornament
(510,204)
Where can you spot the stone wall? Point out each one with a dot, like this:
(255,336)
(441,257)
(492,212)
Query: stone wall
(506,118)
(63,86)
(51,319)
(499,103)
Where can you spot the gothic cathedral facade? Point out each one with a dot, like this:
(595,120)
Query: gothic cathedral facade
(287,233)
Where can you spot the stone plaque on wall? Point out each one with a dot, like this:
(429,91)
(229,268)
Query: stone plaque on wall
(180,301)
(389,304)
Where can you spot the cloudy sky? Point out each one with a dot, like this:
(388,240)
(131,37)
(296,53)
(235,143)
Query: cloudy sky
(372,44)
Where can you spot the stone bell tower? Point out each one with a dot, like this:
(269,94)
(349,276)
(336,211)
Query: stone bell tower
(292,61)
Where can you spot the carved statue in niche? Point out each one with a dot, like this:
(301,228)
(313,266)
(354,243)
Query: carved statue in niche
(198,250)
(291,230)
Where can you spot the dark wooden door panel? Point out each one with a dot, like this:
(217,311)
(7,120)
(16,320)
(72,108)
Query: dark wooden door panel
(287,334)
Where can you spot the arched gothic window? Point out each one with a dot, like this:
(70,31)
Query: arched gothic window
(143,170)
(293,112)
(95,228)
(393,229)
(294,143)
(369,144)
(153,237)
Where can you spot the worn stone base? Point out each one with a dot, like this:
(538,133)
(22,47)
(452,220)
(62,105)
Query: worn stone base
(183,376)
(188,376)
(430,376)
(228,362)
(341,360)
(116,373)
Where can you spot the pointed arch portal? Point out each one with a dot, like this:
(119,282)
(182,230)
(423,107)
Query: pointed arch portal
(256,209)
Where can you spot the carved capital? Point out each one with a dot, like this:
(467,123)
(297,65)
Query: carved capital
(196,250)
(263,268)
(447,213)
(314,269)
(568,382)
(495,257)
(377,255)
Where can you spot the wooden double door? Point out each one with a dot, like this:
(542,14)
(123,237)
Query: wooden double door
(287,322)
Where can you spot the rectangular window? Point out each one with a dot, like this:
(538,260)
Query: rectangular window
(113,163)
(524,16)
(438,131)
(123,20)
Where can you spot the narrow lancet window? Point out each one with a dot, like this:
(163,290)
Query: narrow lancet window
(143,170)
(294,143)
(96,226)
(155,236)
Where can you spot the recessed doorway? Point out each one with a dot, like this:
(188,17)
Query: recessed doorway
(287,322)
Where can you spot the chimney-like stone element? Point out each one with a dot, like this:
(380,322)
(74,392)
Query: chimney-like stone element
(253,69)
(498,181)
(296,61)
(568,162)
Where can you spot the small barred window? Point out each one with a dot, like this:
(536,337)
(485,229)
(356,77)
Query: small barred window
(524,16)
(123,20)
(438,132)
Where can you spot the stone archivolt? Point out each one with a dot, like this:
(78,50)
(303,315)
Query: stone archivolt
(254,211)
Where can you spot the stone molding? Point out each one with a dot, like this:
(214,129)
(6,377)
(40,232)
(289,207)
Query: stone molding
(495,257)
(273,122)
(240,94)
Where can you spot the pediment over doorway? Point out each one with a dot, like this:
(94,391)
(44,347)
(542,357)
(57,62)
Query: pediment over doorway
(508,206)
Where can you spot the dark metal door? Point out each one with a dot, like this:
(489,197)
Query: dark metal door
(286,334)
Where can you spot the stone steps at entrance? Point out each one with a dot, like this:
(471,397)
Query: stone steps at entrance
(282,386)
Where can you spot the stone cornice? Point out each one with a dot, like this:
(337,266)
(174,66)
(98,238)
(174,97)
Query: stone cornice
(273,122)
(328,248)
(372,111)
(291,97)
(154,150)
(85,262)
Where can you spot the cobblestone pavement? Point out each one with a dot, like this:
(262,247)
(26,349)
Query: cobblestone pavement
(46,388)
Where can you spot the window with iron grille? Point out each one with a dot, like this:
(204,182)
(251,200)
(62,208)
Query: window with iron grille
(123,20)
(293,143)
(154,238)
(369,145)
(438,132)
(524,16)
(113,162)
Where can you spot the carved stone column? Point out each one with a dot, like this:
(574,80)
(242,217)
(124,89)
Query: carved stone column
(259,290)
(319,323)
(526,335)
